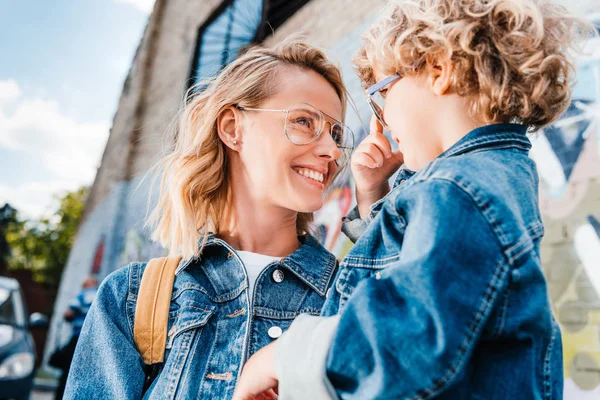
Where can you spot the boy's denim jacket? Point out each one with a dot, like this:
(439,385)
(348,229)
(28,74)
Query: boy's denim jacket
(442,296)
(213,326)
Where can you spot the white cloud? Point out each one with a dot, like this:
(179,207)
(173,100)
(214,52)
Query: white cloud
(9,92)
(34,199)
(70,150)
(143,5)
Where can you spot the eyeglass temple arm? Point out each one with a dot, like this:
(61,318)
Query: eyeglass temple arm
(377,87)
(259,109)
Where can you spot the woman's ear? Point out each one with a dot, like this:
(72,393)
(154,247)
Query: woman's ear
(228,127)
(439,75)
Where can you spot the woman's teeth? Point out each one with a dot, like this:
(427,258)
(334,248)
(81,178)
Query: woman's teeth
(312,174)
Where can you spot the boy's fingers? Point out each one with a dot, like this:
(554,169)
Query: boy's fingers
(363,159)
(374,152)
(375,125)
(381,142)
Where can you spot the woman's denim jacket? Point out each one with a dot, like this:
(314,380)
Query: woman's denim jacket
(442,296)
(213,326)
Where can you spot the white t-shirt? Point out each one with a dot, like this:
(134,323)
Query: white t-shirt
(255,263)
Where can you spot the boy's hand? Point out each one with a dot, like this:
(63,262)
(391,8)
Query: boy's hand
(373,163)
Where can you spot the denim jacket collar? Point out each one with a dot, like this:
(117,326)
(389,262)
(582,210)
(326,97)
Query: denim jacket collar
(311,263)
(490,136)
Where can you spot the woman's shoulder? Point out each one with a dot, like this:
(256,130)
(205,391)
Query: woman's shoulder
(122,284)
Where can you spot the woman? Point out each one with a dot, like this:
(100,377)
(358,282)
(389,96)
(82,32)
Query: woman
(256,150)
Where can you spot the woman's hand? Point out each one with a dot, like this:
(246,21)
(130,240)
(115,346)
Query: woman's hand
(258,380)
(373,163)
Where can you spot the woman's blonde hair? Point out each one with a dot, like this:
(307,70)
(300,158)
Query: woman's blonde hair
(510,57)
(194,187)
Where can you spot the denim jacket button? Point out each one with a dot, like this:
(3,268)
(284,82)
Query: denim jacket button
(278,276)
(274,332)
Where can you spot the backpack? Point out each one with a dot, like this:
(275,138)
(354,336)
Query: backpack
(152,313)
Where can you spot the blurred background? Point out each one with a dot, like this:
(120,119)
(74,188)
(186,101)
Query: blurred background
(88,90)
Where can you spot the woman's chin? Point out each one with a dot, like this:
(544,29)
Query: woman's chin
(310,206)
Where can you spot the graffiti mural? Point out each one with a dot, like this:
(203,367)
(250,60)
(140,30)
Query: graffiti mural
(568,159)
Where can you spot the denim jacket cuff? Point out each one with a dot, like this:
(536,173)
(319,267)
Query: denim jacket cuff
(300,358)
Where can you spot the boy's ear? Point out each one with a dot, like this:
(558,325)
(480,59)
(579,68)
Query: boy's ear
(228,127)
(439,75)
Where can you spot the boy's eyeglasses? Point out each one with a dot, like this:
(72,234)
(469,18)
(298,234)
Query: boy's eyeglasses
(376,88)
(305,123)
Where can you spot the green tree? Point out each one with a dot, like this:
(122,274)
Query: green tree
(42,246)
(8,215)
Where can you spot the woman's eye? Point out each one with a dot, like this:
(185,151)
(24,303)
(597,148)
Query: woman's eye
(303,121)
(383,92)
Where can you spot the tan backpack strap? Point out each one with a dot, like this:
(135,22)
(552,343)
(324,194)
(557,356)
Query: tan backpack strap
(152,308)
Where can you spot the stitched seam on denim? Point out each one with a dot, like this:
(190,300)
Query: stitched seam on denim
(536,230)
(503,309)
(370,266)
(187,326)
(496,137)
(328,274)
(217,299)
(366,263)
(208,360)
(129,317)
(547,383)
(197,338)
(376,260)
(291,266)
(341,285)
(179,361)
(473,328)
(527,247)
(269,313)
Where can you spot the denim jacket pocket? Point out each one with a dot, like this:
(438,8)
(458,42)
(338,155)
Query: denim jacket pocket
(349,278)
(188,317)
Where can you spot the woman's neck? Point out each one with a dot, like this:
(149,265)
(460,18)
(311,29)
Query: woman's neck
(258,228)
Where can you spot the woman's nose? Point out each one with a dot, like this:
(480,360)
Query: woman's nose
(327,146)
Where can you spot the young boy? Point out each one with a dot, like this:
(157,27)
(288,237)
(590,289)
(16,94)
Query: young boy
(442,296)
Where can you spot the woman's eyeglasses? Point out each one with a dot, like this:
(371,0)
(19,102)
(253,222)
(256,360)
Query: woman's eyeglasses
(304,124)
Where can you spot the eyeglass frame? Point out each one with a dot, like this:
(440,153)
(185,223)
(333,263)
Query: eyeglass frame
(286,111)
(371,90)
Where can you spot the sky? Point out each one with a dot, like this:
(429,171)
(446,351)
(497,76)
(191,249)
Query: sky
(62,68)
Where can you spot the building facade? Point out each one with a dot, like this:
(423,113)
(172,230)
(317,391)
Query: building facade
(189,39)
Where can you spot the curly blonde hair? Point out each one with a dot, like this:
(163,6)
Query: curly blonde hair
(510,57)
(194,180)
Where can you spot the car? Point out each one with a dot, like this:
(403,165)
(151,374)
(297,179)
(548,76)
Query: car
(17,349)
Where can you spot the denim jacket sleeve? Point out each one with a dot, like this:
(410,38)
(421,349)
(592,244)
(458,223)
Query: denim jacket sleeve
(353,226)
(409,332)
(107,364)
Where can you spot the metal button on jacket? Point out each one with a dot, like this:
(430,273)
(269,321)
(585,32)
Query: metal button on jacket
(274,332)
(278,276)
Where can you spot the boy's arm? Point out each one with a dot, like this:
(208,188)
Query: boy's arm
(410,329)
(353,225)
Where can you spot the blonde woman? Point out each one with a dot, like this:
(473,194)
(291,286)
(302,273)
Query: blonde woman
(256,150)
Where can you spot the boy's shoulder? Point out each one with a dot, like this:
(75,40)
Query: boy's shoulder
(507,178)
(503,188)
